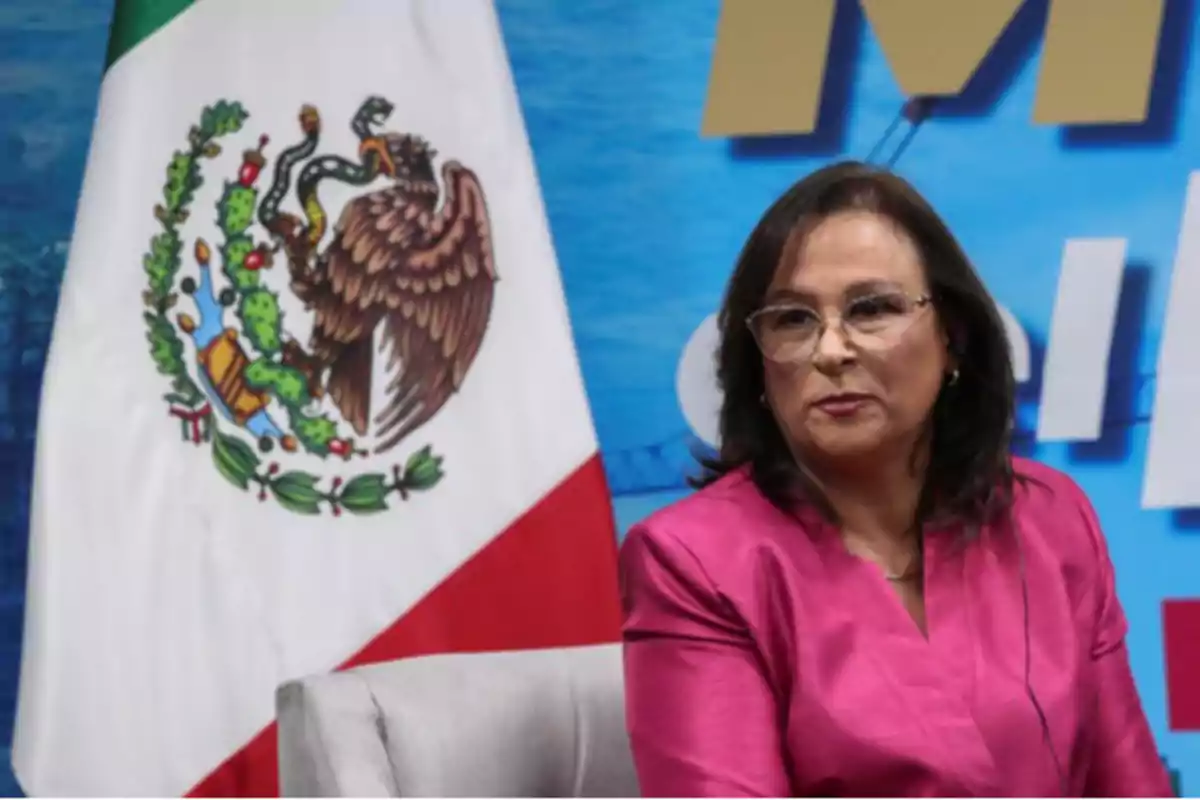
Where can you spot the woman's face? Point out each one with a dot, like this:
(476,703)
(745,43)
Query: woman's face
(859,353)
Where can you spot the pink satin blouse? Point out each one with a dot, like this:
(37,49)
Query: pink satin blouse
(761,658)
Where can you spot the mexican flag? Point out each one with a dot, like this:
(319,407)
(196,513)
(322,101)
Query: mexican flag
(312,399)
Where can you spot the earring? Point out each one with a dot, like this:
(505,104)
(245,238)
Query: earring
(762,398)
(953,377)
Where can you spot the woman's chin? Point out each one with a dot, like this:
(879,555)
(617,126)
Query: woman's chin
(847,444)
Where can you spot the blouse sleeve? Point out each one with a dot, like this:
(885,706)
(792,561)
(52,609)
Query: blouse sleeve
(702,717)
(1124,760)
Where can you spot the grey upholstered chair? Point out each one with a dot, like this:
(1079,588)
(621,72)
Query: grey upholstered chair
(542,723)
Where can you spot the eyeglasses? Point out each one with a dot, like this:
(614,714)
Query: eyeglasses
(790,332)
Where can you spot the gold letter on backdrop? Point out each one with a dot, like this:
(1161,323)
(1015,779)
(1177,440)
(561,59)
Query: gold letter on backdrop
(1098,61)
(769,62)
(768,67)
(935,46)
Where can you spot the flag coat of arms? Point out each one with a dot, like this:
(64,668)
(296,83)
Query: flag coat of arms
(312,399)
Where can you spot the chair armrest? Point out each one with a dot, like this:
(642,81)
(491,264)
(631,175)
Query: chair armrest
(330,741)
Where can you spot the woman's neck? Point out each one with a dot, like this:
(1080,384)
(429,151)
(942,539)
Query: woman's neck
(875,503)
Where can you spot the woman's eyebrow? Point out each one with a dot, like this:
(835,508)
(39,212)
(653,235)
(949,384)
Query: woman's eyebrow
(872,286)
(785,294)
(862,288)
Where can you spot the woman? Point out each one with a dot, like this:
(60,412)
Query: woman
(870,595)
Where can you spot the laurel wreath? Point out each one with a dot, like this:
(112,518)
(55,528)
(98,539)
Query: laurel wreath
(258,311)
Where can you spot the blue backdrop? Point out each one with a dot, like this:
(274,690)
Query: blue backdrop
(648,218)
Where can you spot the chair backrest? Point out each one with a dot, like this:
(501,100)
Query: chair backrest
(534,723)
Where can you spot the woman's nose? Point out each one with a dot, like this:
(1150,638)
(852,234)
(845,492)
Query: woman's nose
(832,348)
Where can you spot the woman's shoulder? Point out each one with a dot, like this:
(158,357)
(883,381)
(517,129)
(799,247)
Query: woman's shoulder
(731,497)
(1042,489)
(730,514)
(1049,503)
(716,548)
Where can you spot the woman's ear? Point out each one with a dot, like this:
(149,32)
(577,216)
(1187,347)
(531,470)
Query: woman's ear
(954,340)
(954,350)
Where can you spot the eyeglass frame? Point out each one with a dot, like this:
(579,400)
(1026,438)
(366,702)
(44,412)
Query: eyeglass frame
(920,301)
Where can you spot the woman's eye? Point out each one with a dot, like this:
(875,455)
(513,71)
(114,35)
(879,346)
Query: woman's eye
(871,307)
(794,317)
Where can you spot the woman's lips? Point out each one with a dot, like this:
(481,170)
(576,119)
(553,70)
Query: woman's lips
(842,405)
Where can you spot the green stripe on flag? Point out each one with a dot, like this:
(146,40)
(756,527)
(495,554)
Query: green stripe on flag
(136,20)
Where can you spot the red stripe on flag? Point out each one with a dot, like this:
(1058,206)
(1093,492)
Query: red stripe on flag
(1181,641)
(549,580)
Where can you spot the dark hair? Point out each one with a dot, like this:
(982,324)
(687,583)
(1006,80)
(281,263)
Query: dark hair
(969,475)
